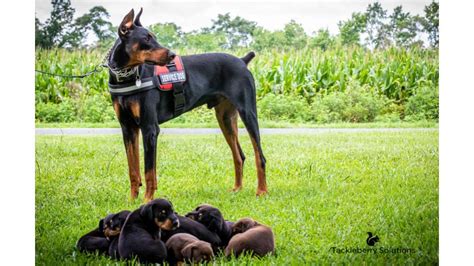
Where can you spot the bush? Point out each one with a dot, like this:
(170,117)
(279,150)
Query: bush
(55,112)
(96,108)
(287,108)
(424,104)
(358,104)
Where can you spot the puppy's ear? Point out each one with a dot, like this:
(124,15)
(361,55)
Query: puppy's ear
(216,223)
(127,24)
(101,225)
(187,251)
(147,212)
(137,19)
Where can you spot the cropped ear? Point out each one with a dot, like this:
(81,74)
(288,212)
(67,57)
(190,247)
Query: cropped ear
(187,251)
(127,24)
(137,19)
(147,212)
(101,225)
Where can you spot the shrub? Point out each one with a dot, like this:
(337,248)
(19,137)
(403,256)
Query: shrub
(55,112)
(280,107)
(96,108)
(423,104)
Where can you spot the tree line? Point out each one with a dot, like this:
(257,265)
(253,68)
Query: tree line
(375,28)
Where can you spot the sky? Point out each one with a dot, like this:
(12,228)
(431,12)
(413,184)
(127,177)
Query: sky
(271,14)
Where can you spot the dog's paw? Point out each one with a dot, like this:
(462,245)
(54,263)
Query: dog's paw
(261,192)
(236,189)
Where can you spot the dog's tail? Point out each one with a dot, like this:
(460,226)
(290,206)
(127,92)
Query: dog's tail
(247,58)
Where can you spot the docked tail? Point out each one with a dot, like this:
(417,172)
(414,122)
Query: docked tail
(247,58)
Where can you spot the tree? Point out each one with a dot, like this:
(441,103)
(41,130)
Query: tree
(238,31)
(95,21)
(431,23)
(295,35)
(57,29)
(265,39)
(206,41)
(351,29)
(403,27)
(168,34)
(322,39)
(376,29)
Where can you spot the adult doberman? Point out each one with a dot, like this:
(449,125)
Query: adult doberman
(220,80)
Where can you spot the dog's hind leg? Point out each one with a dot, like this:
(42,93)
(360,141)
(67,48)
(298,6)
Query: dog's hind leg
(227,117)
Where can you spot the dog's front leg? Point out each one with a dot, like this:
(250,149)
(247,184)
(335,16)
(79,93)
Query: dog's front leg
(130,139)
(150,136)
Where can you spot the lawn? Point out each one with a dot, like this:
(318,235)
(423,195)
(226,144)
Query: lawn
(326,190)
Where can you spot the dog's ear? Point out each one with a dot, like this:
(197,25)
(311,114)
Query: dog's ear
(137,19)
(147,212)
(127,24)
(216,223)
(187,251)
(101,225)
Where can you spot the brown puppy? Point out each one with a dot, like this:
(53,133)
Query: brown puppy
(186,247)
(250,236)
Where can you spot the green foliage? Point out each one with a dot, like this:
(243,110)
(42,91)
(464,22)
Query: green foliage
(56,112)
(168,34)
(295,35)
(351,29)
(431,23)
(322,40)
(237,31)
(338,84)
(287,108)
(423,104)
(205,41)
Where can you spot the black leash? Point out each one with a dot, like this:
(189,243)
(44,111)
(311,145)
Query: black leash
(95,70)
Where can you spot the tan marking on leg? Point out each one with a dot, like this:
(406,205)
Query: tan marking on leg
(262,183)
(117,109)
(151,184)
(133,158)
(231,136)
(135,109)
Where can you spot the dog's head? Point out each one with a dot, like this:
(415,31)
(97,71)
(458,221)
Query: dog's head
(243,225)
(197,252)
(161,213)
(209,216)
(140,44)
(113,223)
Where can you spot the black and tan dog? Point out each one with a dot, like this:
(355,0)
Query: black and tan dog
(140,236)
(212,218)
(184,247)
(104,239)
(221,81)
(250,236)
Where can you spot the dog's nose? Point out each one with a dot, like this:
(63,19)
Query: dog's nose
(171,55)
(176,224)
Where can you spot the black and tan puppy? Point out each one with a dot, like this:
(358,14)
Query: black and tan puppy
(112,229)
(104,239)
(140,234)
(189,226)
(250,236)
(188,248)
(212,218)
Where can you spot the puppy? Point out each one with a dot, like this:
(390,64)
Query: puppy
(140,234)
(212,218)
(250,236)
(112,228)
(189,226)
(185,247)
(104,238)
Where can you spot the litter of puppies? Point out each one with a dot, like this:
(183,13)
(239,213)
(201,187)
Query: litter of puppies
(155,233)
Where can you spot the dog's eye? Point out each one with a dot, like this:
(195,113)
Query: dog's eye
(148,38)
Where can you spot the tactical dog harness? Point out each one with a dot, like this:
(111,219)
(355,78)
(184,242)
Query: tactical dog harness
(165,78)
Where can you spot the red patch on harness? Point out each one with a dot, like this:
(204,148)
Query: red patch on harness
(167,77)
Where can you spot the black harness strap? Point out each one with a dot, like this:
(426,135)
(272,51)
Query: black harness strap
(178,93)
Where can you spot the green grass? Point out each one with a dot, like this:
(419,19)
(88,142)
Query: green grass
(263,124)
(326,190)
